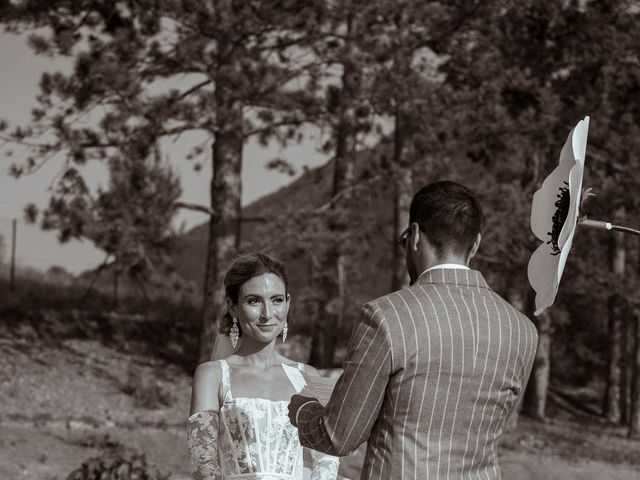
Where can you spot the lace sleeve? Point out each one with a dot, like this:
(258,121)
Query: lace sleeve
(325,467)
(202,445)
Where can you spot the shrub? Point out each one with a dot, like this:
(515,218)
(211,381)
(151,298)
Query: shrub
(117,464)
(147,392)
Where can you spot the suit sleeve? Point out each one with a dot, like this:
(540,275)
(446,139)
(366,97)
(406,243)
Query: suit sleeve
(346,421)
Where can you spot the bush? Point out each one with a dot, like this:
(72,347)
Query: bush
(117,464)
(147,393)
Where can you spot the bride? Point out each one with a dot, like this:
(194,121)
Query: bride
(238,426)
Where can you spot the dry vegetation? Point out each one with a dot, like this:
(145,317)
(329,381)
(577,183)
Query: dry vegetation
(89,392)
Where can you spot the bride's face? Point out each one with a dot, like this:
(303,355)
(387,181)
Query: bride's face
(262,308)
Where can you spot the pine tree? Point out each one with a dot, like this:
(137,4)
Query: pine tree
(147,71)
(518,75)
(346,119)
(405,77)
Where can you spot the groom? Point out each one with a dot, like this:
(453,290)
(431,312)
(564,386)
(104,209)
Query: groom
(433,370)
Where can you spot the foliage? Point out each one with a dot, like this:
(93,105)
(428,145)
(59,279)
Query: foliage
(480,92)
(526,71)
(145,72)
(516,79)
(163,328)
(117,464)
(147,392)
(130,221)
(131,57)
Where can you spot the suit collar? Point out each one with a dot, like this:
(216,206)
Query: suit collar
(453,276)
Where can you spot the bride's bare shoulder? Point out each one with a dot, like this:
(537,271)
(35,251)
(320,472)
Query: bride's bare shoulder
(206,384)
(208,372)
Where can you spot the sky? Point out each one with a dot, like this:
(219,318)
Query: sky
(20,72)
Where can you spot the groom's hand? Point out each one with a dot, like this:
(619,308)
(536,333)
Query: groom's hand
(295,403)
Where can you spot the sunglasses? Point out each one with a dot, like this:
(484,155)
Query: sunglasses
(402,239)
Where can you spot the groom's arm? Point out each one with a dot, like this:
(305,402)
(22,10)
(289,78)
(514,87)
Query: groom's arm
(346,421)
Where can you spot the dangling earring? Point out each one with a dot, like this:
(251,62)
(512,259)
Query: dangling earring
(234,333)
(284,332)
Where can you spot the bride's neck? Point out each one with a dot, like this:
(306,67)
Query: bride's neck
(257,353)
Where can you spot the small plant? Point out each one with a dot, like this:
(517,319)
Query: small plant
(117,464)
(147,392)
(100,441)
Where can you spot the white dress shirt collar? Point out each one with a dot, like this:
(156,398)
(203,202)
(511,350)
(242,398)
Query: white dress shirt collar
(445,265)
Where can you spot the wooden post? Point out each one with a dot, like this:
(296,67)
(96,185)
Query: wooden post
(634,416)
(12,268)
(535,398)
(614,396)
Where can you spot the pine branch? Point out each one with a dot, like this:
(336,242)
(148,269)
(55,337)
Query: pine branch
(195,88)
(196,208)
(259,94)
(7,139)
(204,209)
(346,191)
(272,126)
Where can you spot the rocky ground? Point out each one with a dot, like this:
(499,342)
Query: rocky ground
(64,401)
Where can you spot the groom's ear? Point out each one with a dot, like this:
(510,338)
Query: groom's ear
(414,237)
(474,249)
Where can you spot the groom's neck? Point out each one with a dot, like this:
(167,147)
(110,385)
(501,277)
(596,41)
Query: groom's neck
(447,258)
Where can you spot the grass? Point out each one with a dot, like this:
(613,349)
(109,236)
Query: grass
(149,335)
(147,392)
(49,312)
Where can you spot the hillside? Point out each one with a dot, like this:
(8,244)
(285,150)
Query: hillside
(309,190)
(67,398)
(288,224)
(80,381)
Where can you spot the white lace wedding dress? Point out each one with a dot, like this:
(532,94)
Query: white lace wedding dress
(256,441)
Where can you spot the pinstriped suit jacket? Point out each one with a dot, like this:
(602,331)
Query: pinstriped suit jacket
(431,375)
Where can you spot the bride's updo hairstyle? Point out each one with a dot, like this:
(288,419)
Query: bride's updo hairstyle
(242,270)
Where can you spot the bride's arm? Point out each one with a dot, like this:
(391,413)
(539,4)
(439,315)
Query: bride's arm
(203,424)
(202,444)
(325,467)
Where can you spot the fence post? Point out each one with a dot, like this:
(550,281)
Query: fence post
(12,268)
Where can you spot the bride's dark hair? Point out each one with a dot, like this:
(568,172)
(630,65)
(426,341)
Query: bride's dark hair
(242,270)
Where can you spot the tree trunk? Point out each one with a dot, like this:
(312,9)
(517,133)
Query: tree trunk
(535,400)
(224,226)
(94,280)
(516,298)
(402,191)
(625,365)
(333,277)
(634,403)
(332,306)
(634,415)
(116,278)
(613,397)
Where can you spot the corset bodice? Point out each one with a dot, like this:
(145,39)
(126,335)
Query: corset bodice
(256,439)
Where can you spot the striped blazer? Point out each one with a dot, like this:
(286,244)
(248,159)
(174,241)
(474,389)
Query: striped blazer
(431,375)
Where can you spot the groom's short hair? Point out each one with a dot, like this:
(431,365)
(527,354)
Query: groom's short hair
(449,214)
